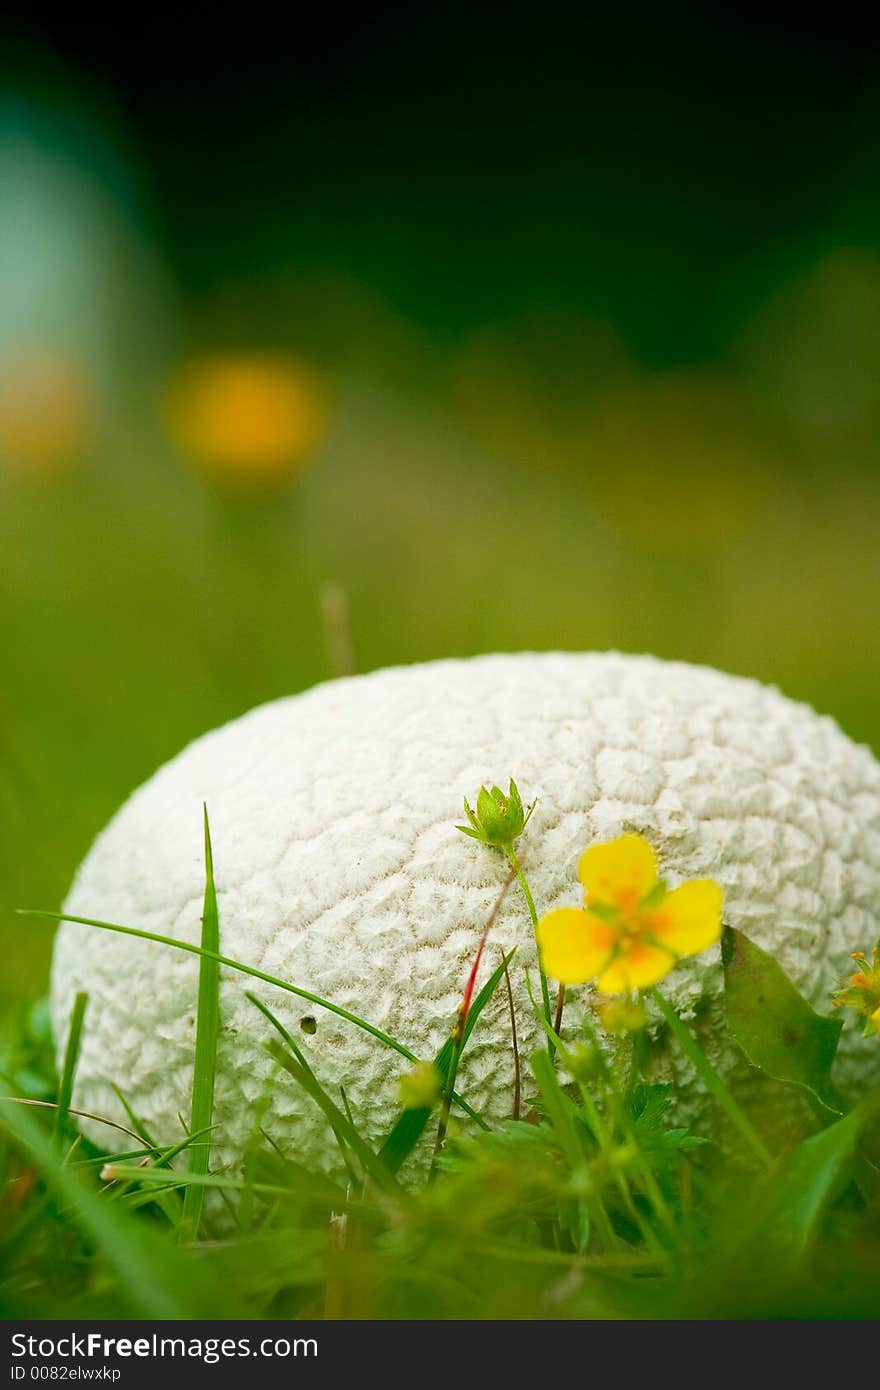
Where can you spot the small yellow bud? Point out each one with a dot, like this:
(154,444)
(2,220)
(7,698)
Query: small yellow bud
(420,1088)
(623,1015)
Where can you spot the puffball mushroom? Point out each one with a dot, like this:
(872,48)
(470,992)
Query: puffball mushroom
(339,868)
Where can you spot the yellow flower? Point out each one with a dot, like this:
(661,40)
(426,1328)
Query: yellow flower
(252,418)
(632,929)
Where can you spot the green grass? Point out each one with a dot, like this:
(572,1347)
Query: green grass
(71,1058)
(596,1204)
(207,1028)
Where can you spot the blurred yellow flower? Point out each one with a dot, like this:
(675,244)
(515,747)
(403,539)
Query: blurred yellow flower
(632,929)
(251,417)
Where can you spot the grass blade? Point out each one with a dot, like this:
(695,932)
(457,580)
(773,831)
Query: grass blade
(71,1058)
(561,1113)
(232,965)
(301,1058)
(82,1114)
(137,1124)
(412,1123)
(559,1109)
(164,1178)
(243,969)
(339,1122)
(710,1078)
(207,1029)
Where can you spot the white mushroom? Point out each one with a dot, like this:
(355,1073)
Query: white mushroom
(339,868)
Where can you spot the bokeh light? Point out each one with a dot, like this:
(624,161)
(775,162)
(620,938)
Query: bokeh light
(252,418)
(677,460)
(46,414)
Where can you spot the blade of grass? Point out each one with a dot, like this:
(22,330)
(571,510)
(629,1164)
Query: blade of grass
(207,1029)
(412,1123)
(81,1114)
(167,1199)
(68,1071)
(136,1122)
(517,1077)
(231,965)
(301,1058)
(170,1204)
(162,1178)
(710,1078)
(369,1161)
(243,969)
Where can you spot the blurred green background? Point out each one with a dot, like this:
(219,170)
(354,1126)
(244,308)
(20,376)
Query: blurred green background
(363,344)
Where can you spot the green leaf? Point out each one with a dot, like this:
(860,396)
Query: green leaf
(71,1057)
(207,1029)
(774,1025)
(412,1123)
(474,834)
(805,1184)
(558,1109)
(486,806)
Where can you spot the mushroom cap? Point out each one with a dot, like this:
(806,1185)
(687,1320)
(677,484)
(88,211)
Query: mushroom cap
(339,868)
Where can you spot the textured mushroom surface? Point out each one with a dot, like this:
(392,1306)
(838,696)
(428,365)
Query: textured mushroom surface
(339,868)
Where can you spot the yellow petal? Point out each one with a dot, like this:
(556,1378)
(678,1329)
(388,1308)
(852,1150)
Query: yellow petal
(574,945)
(689,918)
(635,968)
(619,871)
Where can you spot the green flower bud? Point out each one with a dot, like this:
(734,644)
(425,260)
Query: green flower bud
(498,819)
(584,1062)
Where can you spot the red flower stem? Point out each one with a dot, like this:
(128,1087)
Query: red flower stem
(458,1032)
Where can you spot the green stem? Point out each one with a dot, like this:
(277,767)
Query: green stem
(603,1138)
(446,1103)
(530,903)
(707,1073)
